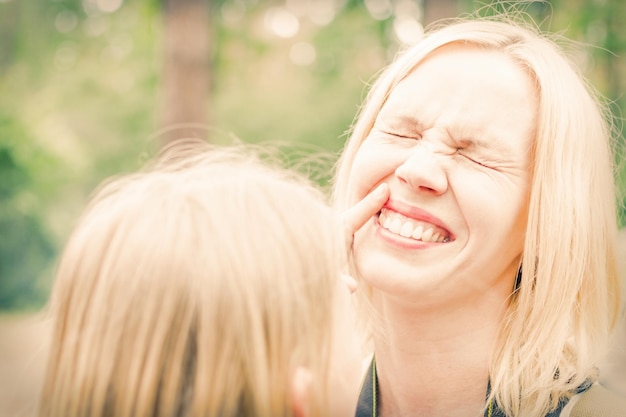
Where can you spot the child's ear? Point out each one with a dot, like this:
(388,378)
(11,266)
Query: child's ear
(350,282)
(301,383)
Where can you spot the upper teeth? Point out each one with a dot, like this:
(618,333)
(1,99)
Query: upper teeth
(406,227)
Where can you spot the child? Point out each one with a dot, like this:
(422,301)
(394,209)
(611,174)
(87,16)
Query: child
(206,285)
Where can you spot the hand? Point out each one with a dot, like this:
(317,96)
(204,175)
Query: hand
(355,217)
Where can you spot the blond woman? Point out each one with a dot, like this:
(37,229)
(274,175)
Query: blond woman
(489,276)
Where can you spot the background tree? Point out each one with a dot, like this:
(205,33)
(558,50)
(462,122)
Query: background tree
(186,71)
(440,9)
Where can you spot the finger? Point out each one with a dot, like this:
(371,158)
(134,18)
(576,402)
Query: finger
(357,216)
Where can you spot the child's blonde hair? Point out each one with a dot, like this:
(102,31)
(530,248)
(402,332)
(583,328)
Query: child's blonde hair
(194,288)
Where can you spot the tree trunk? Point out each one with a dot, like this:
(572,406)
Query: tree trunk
(440,9)
(9,26)
(186,70)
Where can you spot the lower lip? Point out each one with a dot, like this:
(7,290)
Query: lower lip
(401,241)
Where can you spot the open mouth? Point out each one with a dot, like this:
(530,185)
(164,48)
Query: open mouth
(404,226)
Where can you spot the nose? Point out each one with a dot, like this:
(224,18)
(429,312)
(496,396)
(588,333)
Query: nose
(423,171)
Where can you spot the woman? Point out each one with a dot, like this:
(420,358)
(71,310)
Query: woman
(489,276)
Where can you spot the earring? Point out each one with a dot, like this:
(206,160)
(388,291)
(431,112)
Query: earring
(518,279)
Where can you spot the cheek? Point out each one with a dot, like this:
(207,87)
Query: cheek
(371,165)
(494,211)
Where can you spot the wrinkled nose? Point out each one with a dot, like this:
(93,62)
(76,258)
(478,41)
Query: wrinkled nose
(423,170)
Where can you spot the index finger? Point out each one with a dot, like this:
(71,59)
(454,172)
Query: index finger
(355,217)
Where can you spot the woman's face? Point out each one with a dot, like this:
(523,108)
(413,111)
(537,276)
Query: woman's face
(453,142)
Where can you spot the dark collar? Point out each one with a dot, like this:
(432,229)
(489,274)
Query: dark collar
(367,405)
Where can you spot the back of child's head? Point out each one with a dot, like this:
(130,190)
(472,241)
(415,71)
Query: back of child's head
(194,288)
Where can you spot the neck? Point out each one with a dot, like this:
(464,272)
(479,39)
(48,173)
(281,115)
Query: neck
(433,362)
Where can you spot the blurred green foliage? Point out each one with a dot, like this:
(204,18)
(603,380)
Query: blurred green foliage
(80,95)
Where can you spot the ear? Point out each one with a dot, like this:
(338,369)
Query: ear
(301,383)
(350,282)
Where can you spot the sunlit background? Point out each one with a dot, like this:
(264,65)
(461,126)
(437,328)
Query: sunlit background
(92,88)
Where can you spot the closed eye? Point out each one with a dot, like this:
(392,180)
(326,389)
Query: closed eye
(471,159)
(399,135)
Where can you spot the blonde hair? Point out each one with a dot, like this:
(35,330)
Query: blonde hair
(559,319)
(194,288)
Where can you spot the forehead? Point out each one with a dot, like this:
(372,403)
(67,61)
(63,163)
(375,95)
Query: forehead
(474,93)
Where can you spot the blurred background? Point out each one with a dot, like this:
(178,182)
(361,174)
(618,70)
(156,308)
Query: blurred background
(92,88)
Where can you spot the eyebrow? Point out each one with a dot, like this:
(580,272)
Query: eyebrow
(400,121)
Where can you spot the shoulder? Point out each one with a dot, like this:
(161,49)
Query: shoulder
(597,401)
